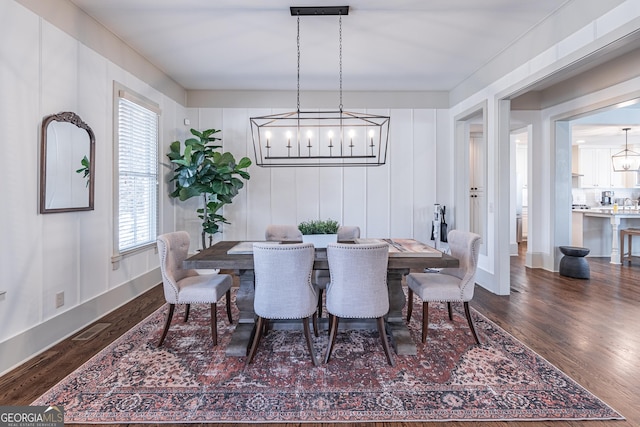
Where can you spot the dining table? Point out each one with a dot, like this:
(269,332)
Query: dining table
(405,256)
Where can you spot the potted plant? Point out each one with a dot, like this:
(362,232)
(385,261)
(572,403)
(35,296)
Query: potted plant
(203,170)
(319,232)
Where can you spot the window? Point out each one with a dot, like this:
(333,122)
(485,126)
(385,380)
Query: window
(137,172)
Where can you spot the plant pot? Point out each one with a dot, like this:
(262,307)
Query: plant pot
(319,240)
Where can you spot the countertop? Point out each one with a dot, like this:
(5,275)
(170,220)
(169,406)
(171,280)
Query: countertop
(627,212)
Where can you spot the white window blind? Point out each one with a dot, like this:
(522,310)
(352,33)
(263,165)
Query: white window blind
(137,174)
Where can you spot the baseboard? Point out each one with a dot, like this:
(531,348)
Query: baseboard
(513,249)
(536,260)
(22,347)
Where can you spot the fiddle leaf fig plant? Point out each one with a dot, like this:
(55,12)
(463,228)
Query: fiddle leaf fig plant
(204,170)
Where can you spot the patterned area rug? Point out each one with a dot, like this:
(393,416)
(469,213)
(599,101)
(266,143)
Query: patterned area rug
(189,381)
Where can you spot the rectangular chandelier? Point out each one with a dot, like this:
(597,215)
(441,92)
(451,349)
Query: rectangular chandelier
(329,138)
(320,138)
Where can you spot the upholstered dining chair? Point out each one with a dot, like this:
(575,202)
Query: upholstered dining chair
(283,289)
(358,288)
(450,284)
(321,277)
(283,233)
(182,286)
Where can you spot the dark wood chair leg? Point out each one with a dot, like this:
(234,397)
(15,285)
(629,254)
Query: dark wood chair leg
(333,328)
(214,324)
(167,323)
(228,298)
(186,312)
(425,320)
(256,340)
(450,313)
(409,305)
(470,320)
(314,320)
(307,335)
(385,344)
(319,302)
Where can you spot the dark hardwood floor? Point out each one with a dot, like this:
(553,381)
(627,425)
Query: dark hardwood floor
(587,328)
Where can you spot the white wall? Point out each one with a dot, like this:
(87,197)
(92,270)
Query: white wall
(45,71)
(48,71)
(494,269)
(392,200)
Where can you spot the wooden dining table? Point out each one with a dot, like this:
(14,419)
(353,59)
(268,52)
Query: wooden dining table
(218,256)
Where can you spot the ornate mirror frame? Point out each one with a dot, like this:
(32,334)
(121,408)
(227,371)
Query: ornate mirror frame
(67,164)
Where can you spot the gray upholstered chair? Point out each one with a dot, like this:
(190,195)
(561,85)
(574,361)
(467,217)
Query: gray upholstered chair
(321,277)
(358,288)
(183,286)
(451,284)
(283,289)
(283,233)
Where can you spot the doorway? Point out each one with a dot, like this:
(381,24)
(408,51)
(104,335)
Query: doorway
(471,182)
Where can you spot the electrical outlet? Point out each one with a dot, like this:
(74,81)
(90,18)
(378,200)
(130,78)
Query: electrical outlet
(59,299)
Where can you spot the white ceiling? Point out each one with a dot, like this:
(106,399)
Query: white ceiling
(403,45)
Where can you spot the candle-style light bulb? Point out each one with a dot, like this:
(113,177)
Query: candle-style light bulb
(371,134)
(309,134)
(267,134)
(330,135)
(288,135)
(352,133)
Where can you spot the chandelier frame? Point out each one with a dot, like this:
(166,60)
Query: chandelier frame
(335,138)
(626,160)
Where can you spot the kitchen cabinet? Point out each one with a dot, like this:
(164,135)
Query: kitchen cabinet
(600,230)
(597,169)
(595,166)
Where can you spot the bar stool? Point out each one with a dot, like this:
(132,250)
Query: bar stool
(628,233)
(573,263)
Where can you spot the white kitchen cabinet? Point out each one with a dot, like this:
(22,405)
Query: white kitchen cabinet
(597,169)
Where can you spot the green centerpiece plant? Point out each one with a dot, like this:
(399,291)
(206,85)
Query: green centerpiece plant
(319,232)
(204,170)
(327,226)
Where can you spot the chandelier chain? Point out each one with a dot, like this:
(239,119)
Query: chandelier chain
(298,43)
(340,38)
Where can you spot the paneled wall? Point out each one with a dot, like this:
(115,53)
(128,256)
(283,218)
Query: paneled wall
(44,71)
(392,200)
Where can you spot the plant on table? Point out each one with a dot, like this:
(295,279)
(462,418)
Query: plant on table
(204,170)
(327,226)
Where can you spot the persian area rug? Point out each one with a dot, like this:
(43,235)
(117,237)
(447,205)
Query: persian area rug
(188,380)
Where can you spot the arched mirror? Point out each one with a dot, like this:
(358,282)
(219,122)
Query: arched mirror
(66,164)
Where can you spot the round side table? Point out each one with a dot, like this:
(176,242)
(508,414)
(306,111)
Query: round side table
(573,263)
